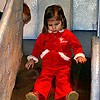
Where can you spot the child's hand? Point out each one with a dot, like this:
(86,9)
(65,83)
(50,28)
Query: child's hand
(81,60)
(29,64)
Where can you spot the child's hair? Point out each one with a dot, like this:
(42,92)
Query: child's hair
(26,11)
(54,11)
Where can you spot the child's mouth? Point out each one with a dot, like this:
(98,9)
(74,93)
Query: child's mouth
(55,31)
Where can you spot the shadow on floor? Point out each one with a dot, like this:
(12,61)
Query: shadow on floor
(80,80)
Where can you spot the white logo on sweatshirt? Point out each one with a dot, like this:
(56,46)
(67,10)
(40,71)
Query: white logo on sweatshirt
(62,40)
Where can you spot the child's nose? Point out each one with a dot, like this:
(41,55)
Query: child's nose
(53,27)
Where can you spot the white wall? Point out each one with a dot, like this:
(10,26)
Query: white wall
(85,14)
(81,15)
(42,5)
(37,7)
(30,29)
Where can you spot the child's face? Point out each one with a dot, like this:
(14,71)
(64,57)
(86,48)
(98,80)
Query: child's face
(54,25)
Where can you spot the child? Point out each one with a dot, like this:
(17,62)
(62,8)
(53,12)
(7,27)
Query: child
(26,14)
(54,47)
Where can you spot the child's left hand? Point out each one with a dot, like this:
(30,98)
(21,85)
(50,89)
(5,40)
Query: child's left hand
(81,60)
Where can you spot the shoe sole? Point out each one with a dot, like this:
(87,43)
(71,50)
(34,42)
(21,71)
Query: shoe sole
(30,97)
(73,96)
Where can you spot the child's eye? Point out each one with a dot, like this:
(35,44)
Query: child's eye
(56,24)
(50,25)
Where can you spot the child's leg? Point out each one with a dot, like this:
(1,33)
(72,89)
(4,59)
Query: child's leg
(44,82)
(62,81)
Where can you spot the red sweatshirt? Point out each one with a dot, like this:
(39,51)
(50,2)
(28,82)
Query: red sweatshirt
(61,42)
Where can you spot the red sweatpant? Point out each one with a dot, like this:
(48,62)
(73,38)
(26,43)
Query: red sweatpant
(62,81)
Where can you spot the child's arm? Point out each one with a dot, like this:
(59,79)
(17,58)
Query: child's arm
(81,60)
(77,49)
(37,50)
(29,64)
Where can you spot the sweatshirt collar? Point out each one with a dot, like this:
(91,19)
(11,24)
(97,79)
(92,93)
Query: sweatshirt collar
(56,32)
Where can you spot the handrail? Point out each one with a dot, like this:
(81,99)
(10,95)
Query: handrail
(95,69)
(98,25)
(95,62)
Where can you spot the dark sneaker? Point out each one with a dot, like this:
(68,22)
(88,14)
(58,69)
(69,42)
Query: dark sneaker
(32,96)
(73,95)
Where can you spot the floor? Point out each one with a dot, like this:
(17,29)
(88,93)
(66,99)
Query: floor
(80,80)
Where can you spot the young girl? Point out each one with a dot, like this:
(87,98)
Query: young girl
(26,14)
(54,47)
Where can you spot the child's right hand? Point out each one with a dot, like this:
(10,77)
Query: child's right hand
(29,64)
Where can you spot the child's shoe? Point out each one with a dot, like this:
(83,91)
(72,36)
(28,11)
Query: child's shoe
(32,96)
(73,95)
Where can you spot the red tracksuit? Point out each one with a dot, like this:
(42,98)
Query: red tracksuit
(55,52)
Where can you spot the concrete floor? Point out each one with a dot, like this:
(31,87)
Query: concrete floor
(80,80)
